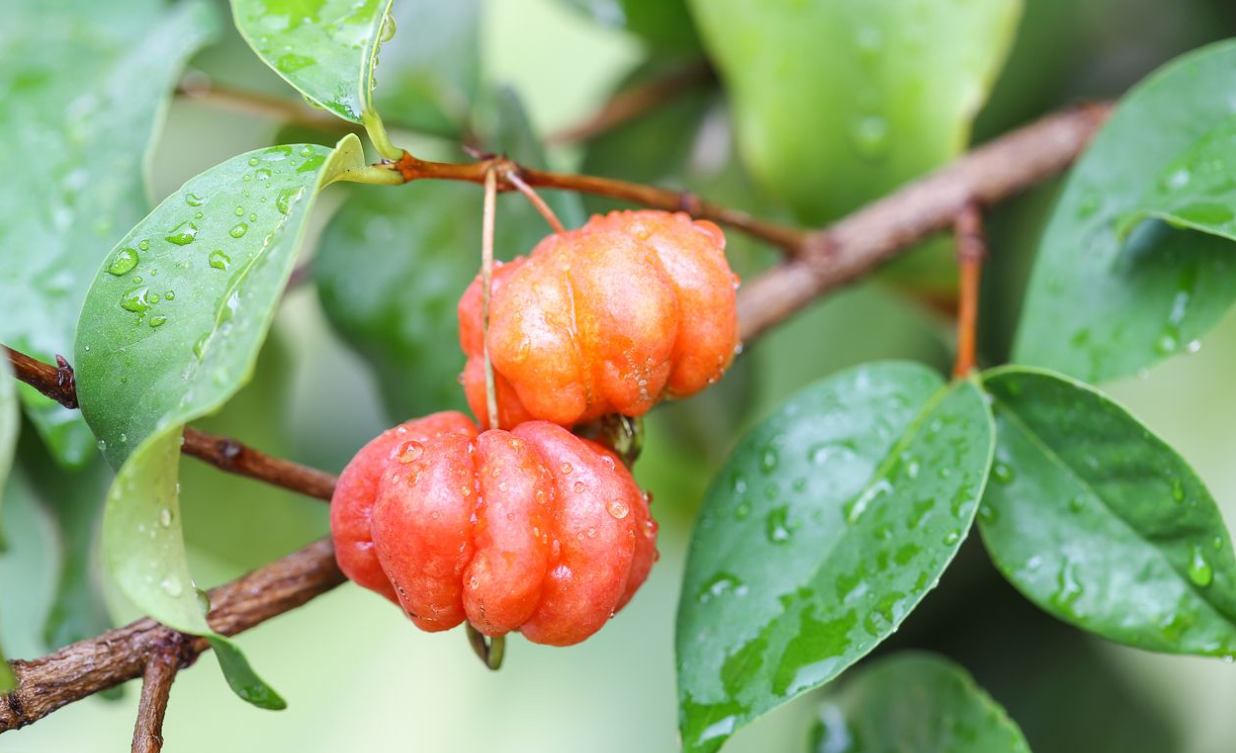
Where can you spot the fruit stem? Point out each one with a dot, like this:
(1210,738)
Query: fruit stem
(489,650)
(971,248)
(487,272)
(513,178)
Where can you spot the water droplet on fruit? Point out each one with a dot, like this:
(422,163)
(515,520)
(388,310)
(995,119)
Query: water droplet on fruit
(566,468)
(409,451)
(618,508)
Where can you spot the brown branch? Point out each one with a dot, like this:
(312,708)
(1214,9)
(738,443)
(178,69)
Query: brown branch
(156,687)
(94,665)
(222,452)
(791,239)
(831,257)
(856,244)
(634,101)
(971,248)
(199,88)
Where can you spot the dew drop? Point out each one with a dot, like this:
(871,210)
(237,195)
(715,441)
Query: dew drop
(1200,570)
(183,234)
(220,260)
(156,321)
(123,262)
(193,199)
(238,230)
(409,451)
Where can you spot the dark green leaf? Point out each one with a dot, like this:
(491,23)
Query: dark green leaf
(241,678)
(1101,306)
(431,69)
(830,522)
(74,504)
(1101,523)
(835,103)
(665,25)
(327,49)
(83,92)
(1197,190)
(393,263)
(170,331)
(914,702)
(390,269)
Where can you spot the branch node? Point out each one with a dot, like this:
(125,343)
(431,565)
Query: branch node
(66,382)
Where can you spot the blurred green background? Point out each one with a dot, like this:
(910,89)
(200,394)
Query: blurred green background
(358,676)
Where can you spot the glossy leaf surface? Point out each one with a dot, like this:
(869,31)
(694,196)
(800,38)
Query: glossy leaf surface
(327,49)
(1107,299)
(1101,523)
(84,88)
(831,520)
(916,702)
(171,329)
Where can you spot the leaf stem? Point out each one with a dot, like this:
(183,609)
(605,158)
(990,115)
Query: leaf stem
(971,248)
(487,272)
(532,196)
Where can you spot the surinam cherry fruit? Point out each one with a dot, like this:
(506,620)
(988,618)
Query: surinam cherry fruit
(608,318)
(533,529)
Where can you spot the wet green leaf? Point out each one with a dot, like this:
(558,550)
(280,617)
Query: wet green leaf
(431,69)
(829,523)
(1197,190)
(84,92)
(665,25)
(74,504)
(171,329)
(393,263)
(1101,305)
(837,102)
(1101,523)
(916,702)
(327,49)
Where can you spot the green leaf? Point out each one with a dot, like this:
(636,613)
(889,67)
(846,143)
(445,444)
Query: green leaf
(393,263)
(431,69)
(10,421)
(837,102)
(829,523)
(171,329)
(1101,523)
(1197,190)
(1101,306)
(84,92)
(73,504)
(917,702)
(327,49)
(665,25)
